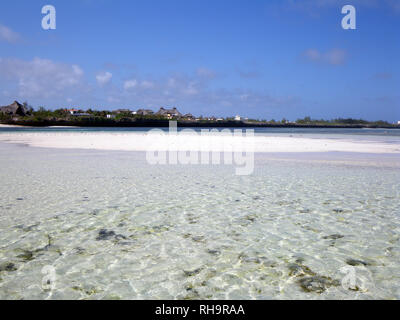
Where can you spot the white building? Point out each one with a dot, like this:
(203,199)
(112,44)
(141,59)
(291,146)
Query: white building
(398,122)
(238,118)
(73,111)
(110,116)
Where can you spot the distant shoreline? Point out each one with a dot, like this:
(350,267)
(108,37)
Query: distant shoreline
(20,115)
(182,124)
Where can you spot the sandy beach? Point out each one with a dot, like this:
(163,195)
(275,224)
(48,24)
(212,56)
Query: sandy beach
(134,141)
(10,126)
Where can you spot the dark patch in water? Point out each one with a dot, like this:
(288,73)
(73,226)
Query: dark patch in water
(299,270)
(191,219)
(317,284)
(160,228)
(192,292)
(192,273)
(8,267)
(257,259)
(79,250)
(29,255)
(250,217)
(310,281)
(355,262)
(87,291)
(334,237)
(26,255)
(104,234)
(214,252)
(125,243)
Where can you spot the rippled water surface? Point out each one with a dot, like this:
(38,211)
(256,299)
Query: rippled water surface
(114,227)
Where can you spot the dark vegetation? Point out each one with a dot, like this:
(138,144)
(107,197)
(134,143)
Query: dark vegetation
(96,118)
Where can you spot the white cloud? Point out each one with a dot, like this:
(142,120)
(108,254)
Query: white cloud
(103,78)
(184,90)
(43,81)
(40,78)
(147,84)
(133,83)
(130,84)
(332,57)
(8,35)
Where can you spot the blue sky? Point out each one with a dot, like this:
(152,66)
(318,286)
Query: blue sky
(257,58)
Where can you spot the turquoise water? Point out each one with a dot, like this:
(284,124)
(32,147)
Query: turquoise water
(319,131)
(111,226)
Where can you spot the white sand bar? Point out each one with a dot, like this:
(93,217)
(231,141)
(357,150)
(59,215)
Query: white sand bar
(11,126)
(140,141)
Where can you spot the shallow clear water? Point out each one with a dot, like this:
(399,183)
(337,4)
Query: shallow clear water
(114,227)
(262,131)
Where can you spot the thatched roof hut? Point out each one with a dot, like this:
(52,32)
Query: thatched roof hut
(15,109)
